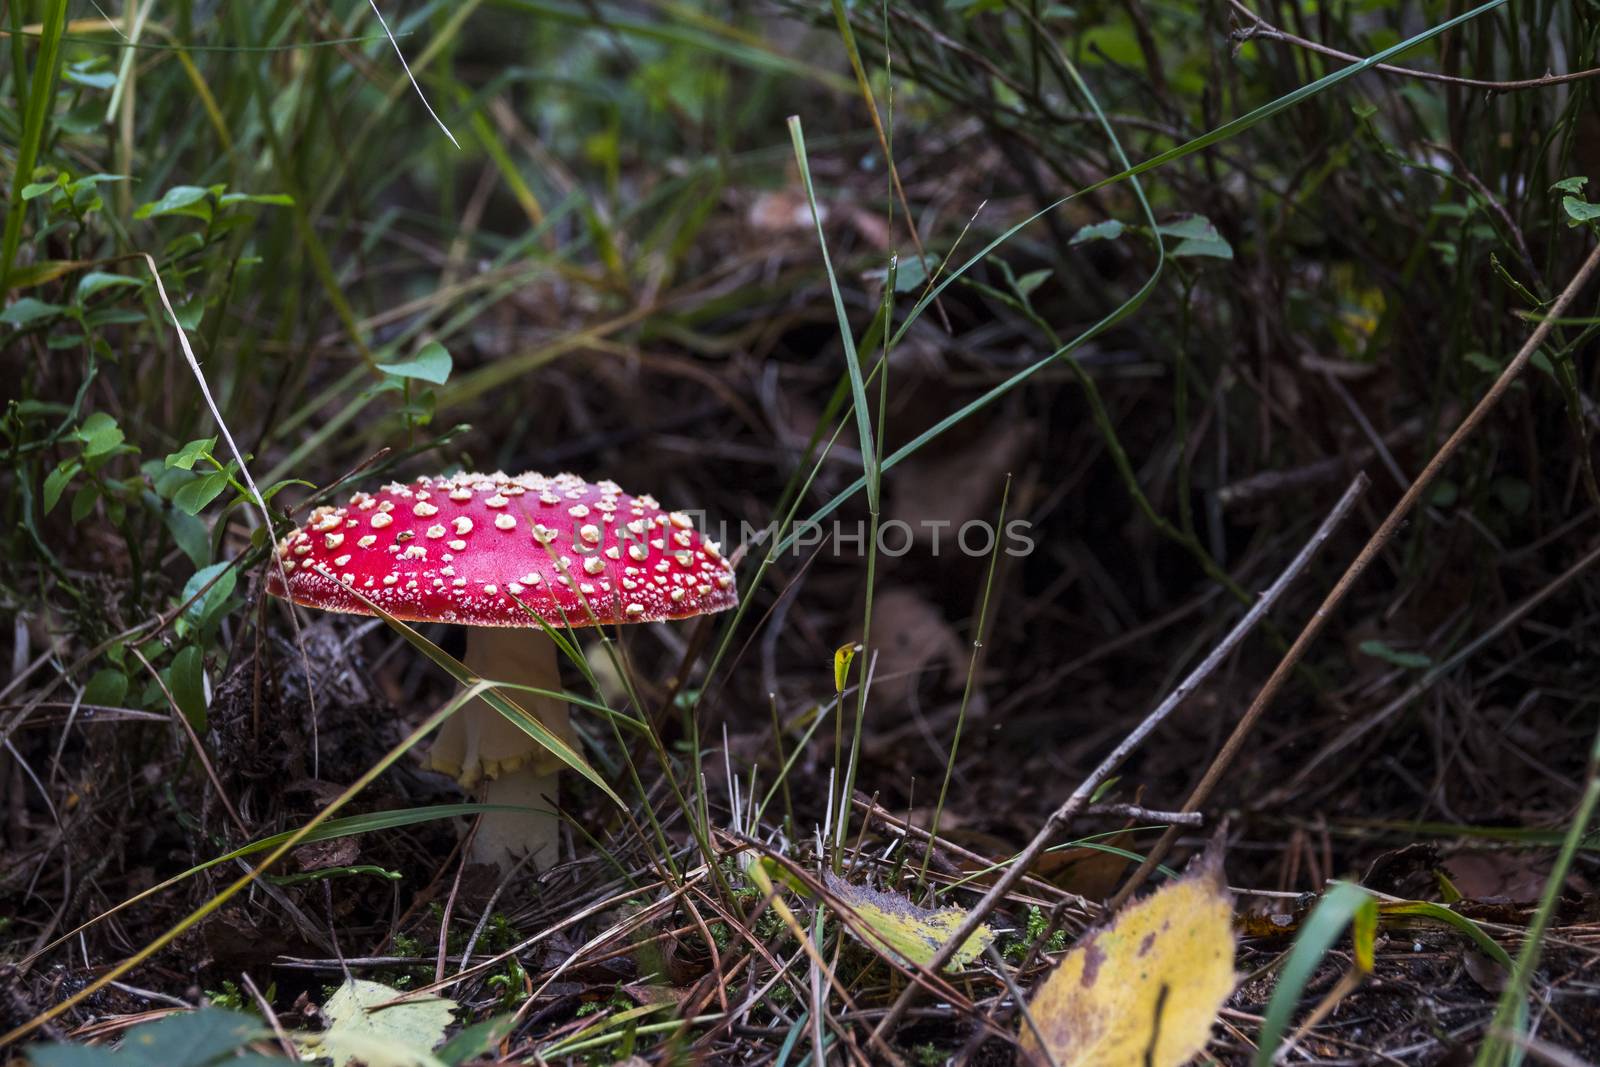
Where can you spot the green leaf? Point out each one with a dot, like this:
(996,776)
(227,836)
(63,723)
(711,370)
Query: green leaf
(83,501)
(95,281)
(1378,650)
(64,1055)
(1188,226)
(190,312)
(909,273)
(1031,281)
(1572,185)
(184,1039)
(89,181)
(431,364)
(27,311)
(114,316)
(1196,237)
(56,482)
(477,1040)
(99,434)
(402,1035)
(102,80)
(194,496)
(1337,909)
(1515,495)
(190,534)
(187,680)
(34,190)
(276,199)
(201,611)
(1108,230)
(99,79)
(107,688)
(191,1039)
(1218,249)
(1579,211)
(179,200)
(185,457)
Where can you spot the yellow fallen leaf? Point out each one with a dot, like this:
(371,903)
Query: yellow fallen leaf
(911,932)
(1146,989)
(360,1032)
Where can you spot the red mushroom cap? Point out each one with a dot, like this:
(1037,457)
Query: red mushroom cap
(465,549)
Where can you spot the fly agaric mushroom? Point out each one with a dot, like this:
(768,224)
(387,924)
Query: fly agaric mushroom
(474,549)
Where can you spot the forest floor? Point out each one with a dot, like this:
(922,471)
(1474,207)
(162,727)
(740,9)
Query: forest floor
(991,553)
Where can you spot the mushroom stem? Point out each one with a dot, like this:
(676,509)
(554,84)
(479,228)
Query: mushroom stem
(481,747)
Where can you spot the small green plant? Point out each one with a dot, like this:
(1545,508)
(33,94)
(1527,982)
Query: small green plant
(230,997)
(1017,948)
(510,984)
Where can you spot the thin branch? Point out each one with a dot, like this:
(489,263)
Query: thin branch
(1079,799)
(1358,566)
(1262,30)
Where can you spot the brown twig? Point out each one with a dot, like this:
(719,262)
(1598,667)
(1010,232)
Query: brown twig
(1358,566)
(1079,799)
(1261,29)
(264,1006)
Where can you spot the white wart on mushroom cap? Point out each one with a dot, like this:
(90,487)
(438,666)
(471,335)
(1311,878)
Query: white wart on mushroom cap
(466,549)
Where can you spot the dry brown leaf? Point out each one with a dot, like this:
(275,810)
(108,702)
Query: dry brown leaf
(912,636)
(1093,873)
(935,494)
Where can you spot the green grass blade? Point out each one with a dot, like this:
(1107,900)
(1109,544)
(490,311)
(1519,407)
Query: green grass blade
(858,387)
(1510,1015)
(1424,909)
(1337,909)
(966,688)
(41,92)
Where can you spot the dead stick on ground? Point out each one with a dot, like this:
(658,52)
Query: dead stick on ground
(1368,553)
(1108,766)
